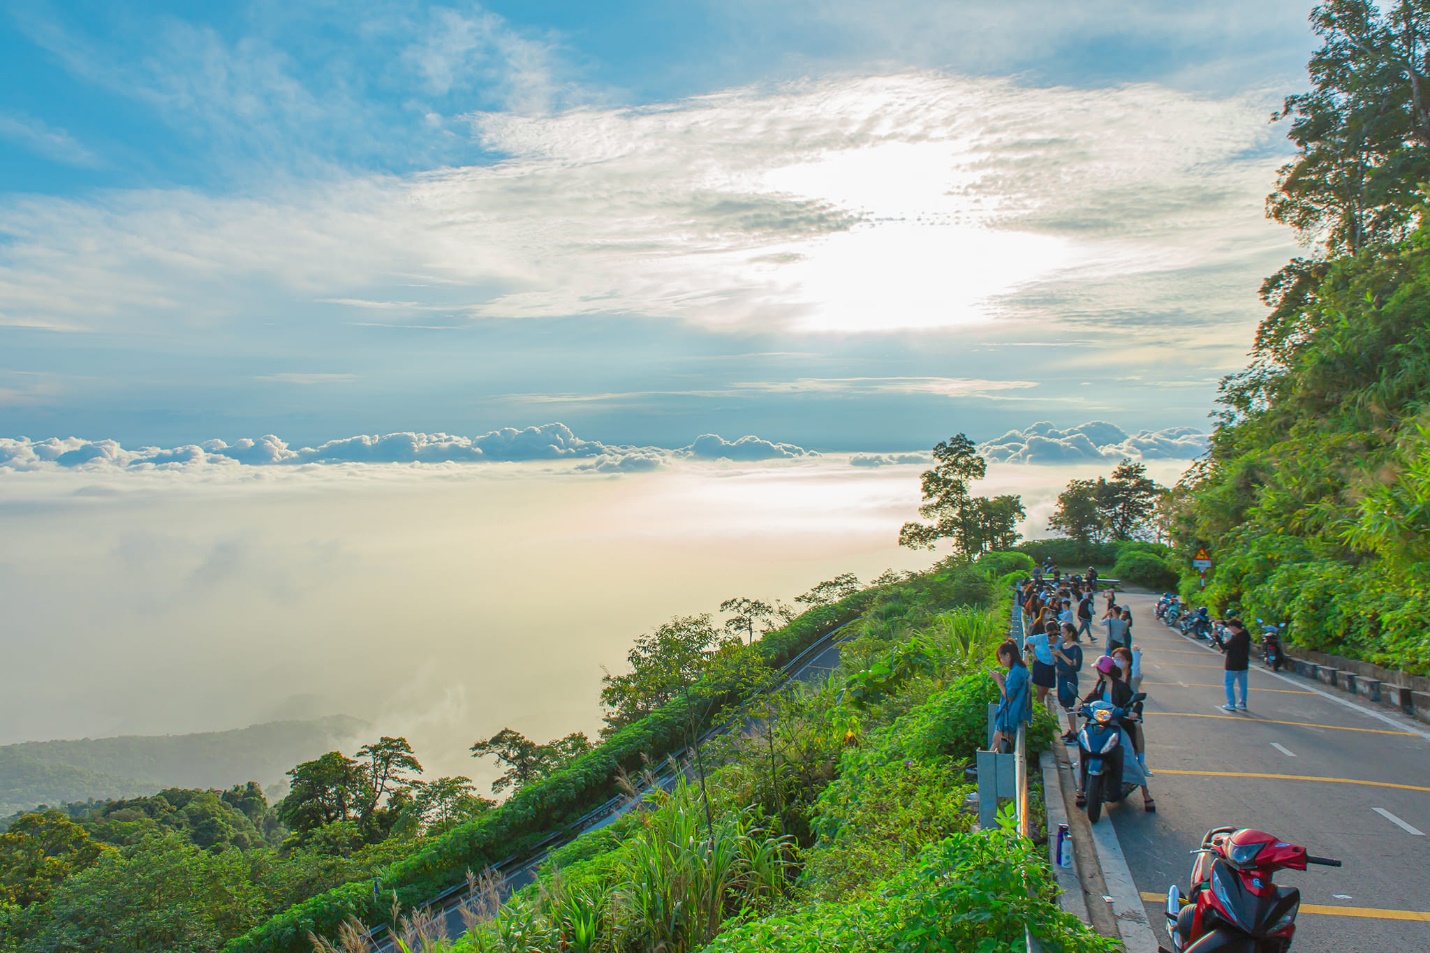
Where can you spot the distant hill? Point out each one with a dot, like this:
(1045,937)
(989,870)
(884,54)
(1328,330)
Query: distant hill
(48,772)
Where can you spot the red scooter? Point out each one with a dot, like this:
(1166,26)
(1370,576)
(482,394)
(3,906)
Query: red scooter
(1233,905)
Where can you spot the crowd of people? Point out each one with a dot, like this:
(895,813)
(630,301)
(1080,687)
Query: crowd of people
(1058,611)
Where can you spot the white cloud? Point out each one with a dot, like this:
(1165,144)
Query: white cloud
(746,449)
(40,137)
(554,441)
(969,199)
(1095,440)
(889,459)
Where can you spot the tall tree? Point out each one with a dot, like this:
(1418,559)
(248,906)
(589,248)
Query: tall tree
(1129,500)
(525,760)
(1079,515)
(445,802)
(383,776)
(972,524)
(1363,130)
(321,792)
(662,662)
(745,614)
(830,591)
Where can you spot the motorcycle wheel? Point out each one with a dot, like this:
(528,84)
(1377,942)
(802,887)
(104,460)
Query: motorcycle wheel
(1094,798)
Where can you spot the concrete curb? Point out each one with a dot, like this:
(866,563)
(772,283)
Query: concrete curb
(1070,895)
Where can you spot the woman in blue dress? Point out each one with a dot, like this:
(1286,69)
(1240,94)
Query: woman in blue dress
(1016,706)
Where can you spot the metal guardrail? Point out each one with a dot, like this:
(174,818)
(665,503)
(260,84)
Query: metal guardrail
(513,865)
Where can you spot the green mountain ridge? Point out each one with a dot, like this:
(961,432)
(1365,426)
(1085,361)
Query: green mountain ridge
(50,772)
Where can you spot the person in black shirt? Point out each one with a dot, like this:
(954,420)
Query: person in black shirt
(1238,660)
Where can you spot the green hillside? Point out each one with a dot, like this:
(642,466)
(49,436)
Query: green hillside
(50,772)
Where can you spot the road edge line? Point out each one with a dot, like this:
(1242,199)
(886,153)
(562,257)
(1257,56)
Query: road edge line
(1137,933)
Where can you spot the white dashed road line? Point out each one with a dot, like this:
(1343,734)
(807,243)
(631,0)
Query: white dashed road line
(1284,750)
(1408,828)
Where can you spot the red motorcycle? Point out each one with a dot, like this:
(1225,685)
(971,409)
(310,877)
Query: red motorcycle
(1233,905)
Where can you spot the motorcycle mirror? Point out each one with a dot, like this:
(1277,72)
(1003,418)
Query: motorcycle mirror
(1139,697)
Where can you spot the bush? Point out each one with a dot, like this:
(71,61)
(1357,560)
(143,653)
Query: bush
(1069,554)
(1145,569)
(1001,563)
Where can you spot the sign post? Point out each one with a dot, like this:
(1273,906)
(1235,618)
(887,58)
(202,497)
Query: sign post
(1202,561)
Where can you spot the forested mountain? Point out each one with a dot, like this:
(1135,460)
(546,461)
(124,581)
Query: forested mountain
(51,772)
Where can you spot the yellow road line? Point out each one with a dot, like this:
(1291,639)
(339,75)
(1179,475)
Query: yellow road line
(1272,721)
(1374,913)
(1291,777)
(1279,691)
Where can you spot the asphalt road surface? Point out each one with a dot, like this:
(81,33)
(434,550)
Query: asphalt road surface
(1303,766)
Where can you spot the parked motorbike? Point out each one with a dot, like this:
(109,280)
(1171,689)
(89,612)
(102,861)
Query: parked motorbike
(1233,904)
(1218,635)
(1100,754)
(1272,653)
(1173,612)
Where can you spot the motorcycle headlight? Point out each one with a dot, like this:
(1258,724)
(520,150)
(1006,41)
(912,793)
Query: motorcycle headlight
(1244,854)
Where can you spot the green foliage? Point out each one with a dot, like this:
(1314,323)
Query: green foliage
(39,852)
(525,760)
(663,663)
(1108,508)
(160,894)
(967,892)
(1147,570)
(1000,563)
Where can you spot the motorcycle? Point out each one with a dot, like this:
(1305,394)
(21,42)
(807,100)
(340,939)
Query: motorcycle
(1218,635)
(1272,654)
(1232,904)
(1200,625)
(1173,612)
(1160,609)
(1101,759)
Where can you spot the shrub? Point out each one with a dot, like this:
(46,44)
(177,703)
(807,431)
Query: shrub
(1146,569)
(1001,563)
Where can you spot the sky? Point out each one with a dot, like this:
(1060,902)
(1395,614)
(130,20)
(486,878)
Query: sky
(270,270)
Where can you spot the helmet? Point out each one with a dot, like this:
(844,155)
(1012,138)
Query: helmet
(1106,664)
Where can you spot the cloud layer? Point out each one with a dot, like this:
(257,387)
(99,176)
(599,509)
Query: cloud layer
(1093,441)
(554,441)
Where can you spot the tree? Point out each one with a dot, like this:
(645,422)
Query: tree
(321,792)
(745,613)
(1129,500)
(156,896)
(972,524)
(1363,130)
(1079,513)
(383,779)
(661,663)
(39,852)
(525,760)
(446,802)
(830,591)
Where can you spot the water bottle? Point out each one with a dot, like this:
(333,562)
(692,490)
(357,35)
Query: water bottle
(1064,846)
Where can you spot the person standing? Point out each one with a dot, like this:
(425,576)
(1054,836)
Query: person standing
(1068,660)
(1040,644)
(1238,660)
(1118,629)
(1084,616)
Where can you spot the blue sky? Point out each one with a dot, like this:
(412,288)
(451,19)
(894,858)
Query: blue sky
(844,225)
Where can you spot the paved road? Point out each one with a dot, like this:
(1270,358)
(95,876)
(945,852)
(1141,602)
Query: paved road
(1289,731)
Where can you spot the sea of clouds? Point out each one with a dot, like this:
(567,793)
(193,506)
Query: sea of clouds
(1042,442)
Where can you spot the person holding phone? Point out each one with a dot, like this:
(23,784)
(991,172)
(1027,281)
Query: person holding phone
(1016,706)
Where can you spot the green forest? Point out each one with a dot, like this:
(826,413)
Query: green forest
(1315,496)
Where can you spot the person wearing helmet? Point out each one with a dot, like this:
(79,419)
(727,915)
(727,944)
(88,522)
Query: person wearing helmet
(1112,689)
